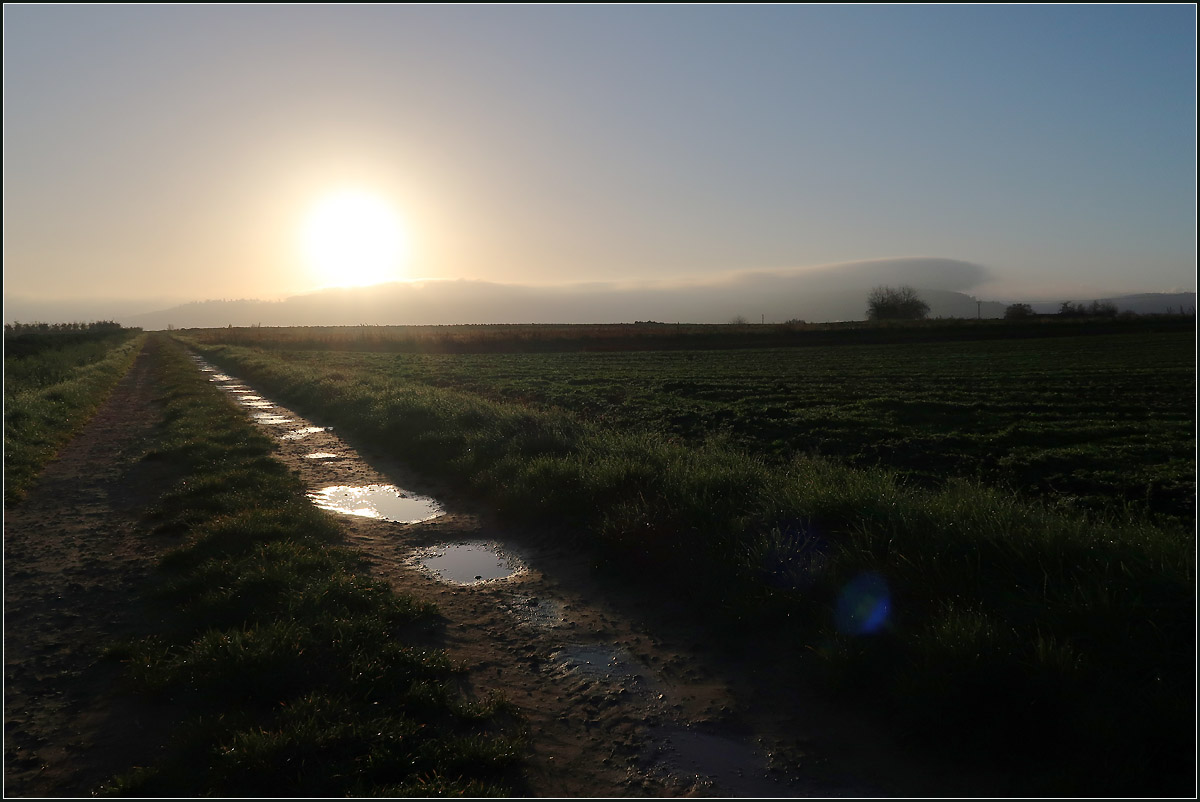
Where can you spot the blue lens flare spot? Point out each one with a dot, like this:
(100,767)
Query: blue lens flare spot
(863,605)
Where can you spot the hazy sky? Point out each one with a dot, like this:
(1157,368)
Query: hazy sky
(179,151)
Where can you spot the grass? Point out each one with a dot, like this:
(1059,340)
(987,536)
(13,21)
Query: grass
(54,381)
(998,624)
(301,675)
(1098,423)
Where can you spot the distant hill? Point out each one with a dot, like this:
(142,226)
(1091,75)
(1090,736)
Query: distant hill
(822,294)
(452,302)
(829,293)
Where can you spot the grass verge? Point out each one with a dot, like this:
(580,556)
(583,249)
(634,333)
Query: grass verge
(51,392)
(994,626)
(302,676)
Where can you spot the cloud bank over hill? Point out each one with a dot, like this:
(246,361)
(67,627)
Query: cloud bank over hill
(816,295)
(831,292)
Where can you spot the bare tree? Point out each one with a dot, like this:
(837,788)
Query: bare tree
(887,303)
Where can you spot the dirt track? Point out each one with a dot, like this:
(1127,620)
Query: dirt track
(615,706)
(75,555)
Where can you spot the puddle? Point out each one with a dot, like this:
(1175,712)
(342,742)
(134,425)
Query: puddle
(297,434)
(220,377)
(268,419)
(469,563)
(385,502)
(322,455)
(735,766)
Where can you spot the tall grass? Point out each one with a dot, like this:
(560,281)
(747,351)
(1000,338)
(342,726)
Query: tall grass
(999,624)
(302,676)
(53,384)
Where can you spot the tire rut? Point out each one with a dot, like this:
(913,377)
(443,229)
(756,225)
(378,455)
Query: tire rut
(76,560)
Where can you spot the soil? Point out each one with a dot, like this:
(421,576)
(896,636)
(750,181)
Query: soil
(621,693)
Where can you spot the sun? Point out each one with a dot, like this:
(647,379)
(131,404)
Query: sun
(354,238)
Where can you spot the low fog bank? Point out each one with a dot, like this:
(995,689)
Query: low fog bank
(81,310)
(835,292)
(815,295)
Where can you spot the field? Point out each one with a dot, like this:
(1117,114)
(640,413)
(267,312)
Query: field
(1100,423)
(994,536)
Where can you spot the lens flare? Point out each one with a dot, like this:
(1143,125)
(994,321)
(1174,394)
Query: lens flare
(863,605)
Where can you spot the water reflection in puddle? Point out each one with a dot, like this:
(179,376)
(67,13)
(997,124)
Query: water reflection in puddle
(385,502)
(297,434)
(269,419)
(470,563)
(322,455)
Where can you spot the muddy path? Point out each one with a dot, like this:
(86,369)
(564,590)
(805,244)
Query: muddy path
(76,559)
(621,694)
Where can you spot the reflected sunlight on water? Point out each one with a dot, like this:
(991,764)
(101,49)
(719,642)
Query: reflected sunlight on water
(385,502)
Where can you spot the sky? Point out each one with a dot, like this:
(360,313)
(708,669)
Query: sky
(164,154)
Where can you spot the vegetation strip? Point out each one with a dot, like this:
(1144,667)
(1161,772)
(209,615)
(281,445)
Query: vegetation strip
(1006,627)
(55,378)
(305,677)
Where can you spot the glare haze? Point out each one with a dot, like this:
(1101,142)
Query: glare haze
(157,154)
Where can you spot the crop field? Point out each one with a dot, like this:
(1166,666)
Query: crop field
(1020,512)
(1101,423)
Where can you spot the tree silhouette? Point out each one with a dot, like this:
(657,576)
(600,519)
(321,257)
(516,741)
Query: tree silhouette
(887,303)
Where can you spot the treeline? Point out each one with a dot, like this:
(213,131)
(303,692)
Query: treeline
(30,328)
(1068,309)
